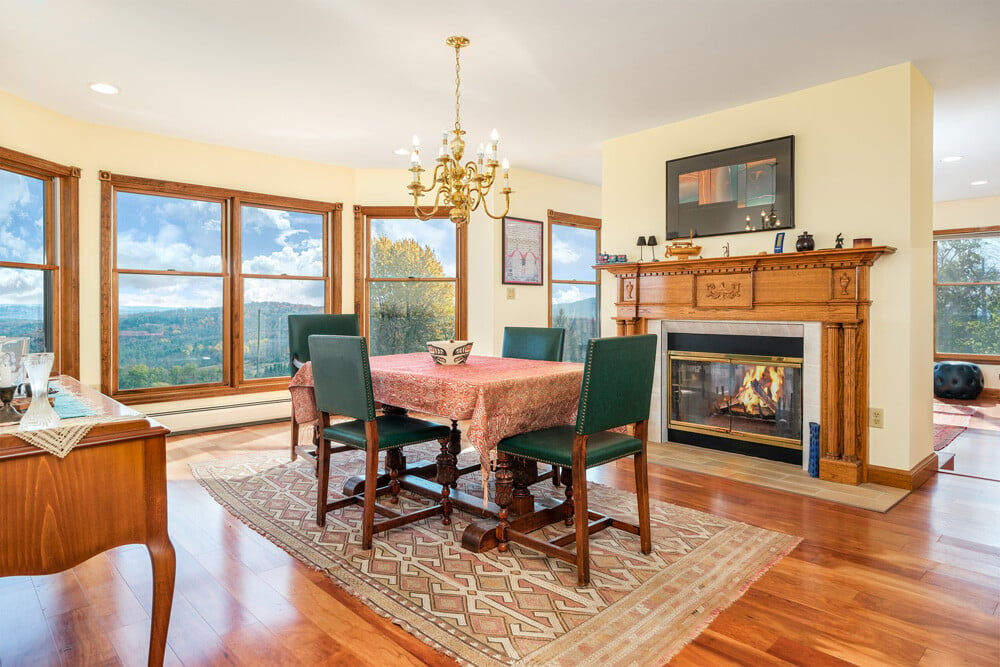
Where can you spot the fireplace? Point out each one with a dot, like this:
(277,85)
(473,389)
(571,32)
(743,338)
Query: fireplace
(736,393)
(827,291)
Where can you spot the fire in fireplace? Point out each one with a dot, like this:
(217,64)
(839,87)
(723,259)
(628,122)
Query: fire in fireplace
(737,401)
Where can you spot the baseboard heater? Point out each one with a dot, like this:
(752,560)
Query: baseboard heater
(210,408)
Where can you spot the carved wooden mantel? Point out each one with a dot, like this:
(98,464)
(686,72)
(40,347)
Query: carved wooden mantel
(827,286)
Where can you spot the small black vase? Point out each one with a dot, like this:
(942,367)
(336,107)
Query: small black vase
(805,242)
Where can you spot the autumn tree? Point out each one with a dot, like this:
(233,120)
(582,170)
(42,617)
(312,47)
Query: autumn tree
(968,296)
(409,302)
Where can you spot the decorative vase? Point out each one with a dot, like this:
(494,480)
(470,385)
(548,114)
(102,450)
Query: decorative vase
(813,449)
(40,413)
(805,242)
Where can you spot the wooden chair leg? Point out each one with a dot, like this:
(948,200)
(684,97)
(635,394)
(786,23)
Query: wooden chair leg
(582,524)
(295,438)
(642,497)
(504,496)
(371,491)
(567,475)
(322,479)
(556,472)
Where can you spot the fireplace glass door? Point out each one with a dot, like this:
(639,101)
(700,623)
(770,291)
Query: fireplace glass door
(755,399)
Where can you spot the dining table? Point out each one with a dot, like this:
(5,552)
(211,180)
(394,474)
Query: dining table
(493,397)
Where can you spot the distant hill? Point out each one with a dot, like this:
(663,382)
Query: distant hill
(14,311)
(584,308)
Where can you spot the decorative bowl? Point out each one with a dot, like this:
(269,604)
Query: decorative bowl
(449,352)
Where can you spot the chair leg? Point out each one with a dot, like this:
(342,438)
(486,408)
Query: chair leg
(567,475)
(295,438)
(371,491)
(642,497)
(394,463)
(504,496)
(582,525)
(556,472)
(322,479)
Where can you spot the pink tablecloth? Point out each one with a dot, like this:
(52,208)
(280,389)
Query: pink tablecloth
(500,397)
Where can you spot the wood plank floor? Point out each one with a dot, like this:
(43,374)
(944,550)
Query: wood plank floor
(917,586)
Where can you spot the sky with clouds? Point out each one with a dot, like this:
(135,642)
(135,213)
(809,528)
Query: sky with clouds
(21,233)
(573,255)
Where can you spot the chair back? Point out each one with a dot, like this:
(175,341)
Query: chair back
(541,343)
(342,379)
(300,327)
(617,382)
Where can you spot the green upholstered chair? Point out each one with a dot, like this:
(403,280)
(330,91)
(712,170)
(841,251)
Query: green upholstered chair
(343,384)
(300,327)
(542,343)
(616,390)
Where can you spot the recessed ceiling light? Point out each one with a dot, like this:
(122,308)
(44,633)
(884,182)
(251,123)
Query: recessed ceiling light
(104,88)
(951,158)
(978,182)
(403,151)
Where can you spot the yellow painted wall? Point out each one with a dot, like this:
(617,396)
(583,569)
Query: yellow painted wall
(32,129)
(862,168)
(963,213)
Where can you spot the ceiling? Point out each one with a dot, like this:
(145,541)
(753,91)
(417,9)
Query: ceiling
(346,82)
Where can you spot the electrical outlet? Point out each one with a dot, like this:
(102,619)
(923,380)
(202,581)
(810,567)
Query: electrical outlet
(510,293)
(876,417)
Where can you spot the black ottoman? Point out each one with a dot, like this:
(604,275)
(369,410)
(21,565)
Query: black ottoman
(957,379)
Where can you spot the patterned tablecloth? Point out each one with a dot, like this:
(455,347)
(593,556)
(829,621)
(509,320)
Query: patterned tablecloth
(500,397)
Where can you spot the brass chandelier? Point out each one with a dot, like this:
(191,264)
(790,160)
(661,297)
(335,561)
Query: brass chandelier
(461,187)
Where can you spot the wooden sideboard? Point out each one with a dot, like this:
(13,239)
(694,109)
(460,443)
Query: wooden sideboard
(110,490)
(826,286)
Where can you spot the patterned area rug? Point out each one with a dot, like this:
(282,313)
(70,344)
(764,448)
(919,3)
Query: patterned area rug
(944,435)
(518,608)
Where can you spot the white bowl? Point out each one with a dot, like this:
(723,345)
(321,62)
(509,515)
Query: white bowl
(449,352)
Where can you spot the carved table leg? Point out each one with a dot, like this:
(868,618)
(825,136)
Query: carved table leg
(504,496)
(447,473)
(525,473)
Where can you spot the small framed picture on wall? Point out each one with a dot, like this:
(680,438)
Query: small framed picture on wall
(522,252)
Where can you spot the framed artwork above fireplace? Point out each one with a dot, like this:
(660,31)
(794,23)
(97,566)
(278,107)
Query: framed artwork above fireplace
(739,190)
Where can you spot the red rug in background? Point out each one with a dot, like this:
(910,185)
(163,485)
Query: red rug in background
(944,434)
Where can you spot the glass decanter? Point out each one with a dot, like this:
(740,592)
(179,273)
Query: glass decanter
(40,413)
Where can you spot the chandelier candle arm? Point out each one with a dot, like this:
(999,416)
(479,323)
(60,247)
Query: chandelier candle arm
(461,187)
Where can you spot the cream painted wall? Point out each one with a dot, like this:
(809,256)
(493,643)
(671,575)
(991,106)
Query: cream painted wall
(534,194)
(862,168)
(963,213)
(37,131)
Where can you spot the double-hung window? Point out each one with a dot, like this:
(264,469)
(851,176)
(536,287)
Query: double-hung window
(967,294)
(39,274)
(199,283)
(414,279)
(574,286)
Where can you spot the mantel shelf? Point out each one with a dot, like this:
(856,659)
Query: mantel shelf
(764,261)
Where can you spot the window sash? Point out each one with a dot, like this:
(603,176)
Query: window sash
(364,281)
(60,264)
(239,372)
(939,285)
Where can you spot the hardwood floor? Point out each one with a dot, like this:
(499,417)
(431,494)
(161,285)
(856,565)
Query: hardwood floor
(919,585)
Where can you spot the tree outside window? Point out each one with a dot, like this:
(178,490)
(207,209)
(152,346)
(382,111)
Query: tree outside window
(413,280)
(967,286)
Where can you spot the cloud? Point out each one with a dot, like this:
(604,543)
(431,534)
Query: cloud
(564,253)
(287,260)
(569,294)
(21,286)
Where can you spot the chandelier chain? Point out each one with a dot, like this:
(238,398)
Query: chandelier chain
(458,85)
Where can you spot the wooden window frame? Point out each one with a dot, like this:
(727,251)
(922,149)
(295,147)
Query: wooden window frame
(362,273)
(958,233)
(231,273)
(572,220)
(62,252)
